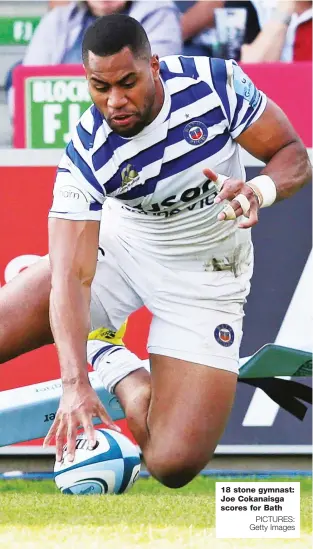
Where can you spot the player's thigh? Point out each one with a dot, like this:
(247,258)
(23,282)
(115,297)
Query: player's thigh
(24,311)
(113,298)
(197,317)
(189,410)
(194,342)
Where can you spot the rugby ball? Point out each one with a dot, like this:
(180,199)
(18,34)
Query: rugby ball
(111,467)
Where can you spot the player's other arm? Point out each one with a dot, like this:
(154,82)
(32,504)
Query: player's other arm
(73,247)
(262,129)
(273,140)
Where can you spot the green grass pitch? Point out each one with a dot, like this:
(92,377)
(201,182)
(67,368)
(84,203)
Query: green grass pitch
(34,515)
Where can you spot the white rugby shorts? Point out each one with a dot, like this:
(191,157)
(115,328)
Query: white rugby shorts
(196,315)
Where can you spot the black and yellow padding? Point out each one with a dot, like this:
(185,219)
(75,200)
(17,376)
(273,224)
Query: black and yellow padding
(109,336)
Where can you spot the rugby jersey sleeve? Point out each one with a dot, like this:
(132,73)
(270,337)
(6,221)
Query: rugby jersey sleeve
(243,103)
(77,194)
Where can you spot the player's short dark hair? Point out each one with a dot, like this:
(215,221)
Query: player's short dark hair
(111,33)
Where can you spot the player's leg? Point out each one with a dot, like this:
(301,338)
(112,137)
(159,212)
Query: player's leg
(194,346)
(24,311)
(112,301)
(179,423)
(24,306)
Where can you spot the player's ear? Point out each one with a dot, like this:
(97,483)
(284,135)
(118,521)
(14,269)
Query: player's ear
(155,66)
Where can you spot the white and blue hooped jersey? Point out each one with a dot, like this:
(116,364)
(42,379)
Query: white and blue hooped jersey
(167,202)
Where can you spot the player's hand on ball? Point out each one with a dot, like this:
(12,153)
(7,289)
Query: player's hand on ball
(241,199)
(77,408)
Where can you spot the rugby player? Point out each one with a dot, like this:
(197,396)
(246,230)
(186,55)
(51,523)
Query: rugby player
(159,154)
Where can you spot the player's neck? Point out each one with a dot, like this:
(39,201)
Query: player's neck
(158,102)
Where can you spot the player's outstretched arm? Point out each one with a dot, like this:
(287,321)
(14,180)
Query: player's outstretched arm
(273,140)
(73,247)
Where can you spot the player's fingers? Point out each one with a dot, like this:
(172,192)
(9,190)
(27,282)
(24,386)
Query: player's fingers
(71,438)
(52,431)
(60,440)
(230,189)
(89,429)
(49,436)
(252,220)
(231,211)
(217,178)
(243,203)
(210,174)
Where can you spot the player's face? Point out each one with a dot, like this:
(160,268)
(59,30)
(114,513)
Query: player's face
(125,89)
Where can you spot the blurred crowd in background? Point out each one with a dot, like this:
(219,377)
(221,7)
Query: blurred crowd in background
(249,31)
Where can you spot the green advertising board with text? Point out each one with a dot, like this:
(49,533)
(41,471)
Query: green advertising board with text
(53,107)
(17,30)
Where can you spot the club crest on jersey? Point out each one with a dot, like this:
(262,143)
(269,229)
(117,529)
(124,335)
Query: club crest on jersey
(224,335)
(195,132)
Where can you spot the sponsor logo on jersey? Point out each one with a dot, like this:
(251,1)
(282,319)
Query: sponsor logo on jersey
(224,335)
(67,198)
(195,133)
(245,88)
(191,198)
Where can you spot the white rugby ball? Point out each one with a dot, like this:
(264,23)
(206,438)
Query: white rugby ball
(111,467)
